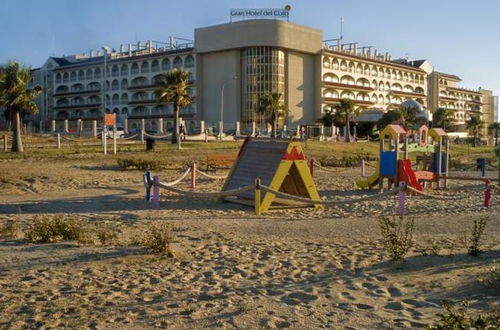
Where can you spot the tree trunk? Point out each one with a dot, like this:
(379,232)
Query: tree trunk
(496,138)
(348,130)
(175,130)
(275,126)
(474,139)
(17,143)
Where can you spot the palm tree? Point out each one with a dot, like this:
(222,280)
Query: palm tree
(443,118)
(273,108)
(16,98)
(345,109)
(474,124)
(173,87)
(495,129)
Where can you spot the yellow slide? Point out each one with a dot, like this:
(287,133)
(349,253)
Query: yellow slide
(369,181)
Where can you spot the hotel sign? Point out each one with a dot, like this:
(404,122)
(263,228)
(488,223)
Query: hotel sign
(273,13)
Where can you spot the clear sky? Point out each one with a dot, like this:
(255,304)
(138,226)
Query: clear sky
(460,37)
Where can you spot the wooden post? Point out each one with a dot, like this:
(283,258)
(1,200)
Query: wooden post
(142,136)
(311,166)
(254,128)
(79,126)
(322,133)
(155,202)
(53,125)
(66,126)
(362,168)
(104,142)
(160,125)
(237,132)
(487,193)
(396,144)
(202,126)
(58,141)
(114,140)
(193,175)
(94,128)
(125,126)
(206,135)
(257,197)
(5,146)
(143,124)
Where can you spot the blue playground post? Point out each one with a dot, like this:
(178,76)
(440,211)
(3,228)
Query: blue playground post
(147,183)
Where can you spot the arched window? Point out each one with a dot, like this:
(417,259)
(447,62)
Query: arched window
(139,81)
(330,93)
(94,99)
(144,67)
(93,86)
(165,64)
(62,89)
(396,87)
(95,113)
(114,71)
(155,66)
(140,96)
(359,68)
(140,110)
(77,88)
(124,98)
(330,77)
(363,82)
(62,102)
(81,75)
(366,69)
(78,101)
(116,99)
(97,73)
(124,83)
(343,65)
(88,74)
(189,61)
(115,85)
(326,62)
(124,111)
(134,69)
(124,70)
(65,77)
(335,64)
(156,79)
(408,88)
(347,95)
(348,80)
(177,62)
(62,115)
(73,76)
(58,78)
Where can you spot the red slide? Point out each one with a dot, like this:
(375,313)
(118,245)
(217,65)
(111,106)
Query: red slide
(406,174)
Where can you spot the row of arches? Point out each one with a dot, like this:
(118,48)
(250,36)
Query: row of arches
(460,96)
(374,84)
(366,97)
(459,106)
(115,84)
(371,70)
(115,70)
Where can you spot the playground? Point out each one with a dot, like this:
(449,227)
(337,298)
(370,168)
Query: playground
(304,266)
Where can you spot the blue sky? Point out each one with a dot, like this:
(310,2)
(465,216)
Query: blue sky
(457,36)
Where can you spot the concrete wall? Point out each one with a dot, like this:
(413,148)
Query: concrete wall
(251,33)
(215,69)
(301,88)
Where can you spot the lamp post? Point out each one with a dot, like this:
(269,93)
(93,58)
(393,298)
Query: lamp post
(105,50)
(221,123)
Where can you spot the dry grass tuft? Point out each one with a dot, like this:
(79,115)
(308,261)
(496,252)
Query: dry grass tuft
(159,237)
(55,228)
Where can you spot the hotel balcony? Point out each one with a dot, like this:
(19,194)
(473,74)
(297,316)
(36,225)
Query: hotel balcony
(145,102)
(77,106)
(348,86)
(405,93)
(84,92)
(333,100)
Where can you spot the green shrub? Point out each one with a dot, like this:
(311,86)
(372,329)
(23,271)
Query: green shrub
(138,164)
(48,229)
(458,318)
(476,237)
(397,233)
(158,238)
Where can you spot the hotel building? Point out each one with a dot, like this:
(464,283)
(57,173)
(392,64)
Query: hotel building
(232,65)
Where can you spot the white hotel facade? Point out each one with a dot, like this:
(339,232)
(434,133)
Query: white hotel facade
(246,59)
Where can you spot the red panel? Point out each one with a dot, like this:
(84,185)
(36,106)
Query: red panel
(293,155)
(407,175)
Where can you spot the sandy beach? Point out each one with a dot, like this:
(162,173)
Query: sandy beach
(298,269)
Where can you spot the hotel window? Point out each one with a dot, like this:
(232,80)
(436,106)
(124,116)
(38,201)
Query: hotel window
(263,71)
(189,62)
(177,62)
(124,70)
